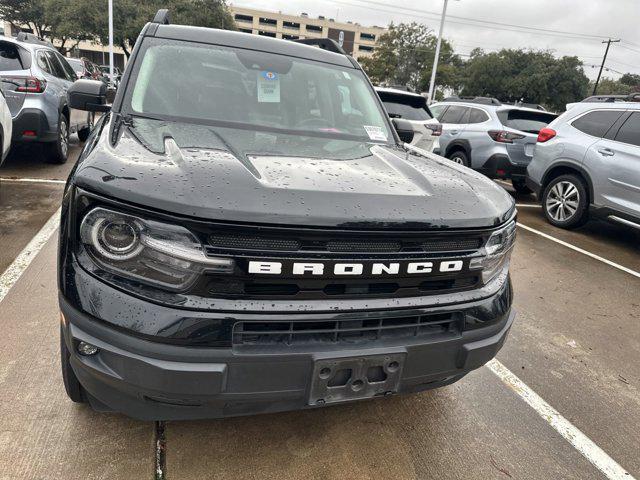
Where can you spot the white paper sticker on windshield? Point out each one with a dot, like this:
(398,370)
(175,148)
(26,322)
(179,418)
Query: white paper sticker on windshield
(375,133)
(268,87)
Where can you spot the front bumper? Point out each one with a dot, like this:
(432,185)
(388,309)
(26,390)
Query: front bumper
(151,380)
(499,166)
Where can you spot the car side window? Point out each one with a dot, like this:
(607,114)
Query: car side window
(477,116)
(70,74)
(437,110)
(455,114)
(597,123)
(56,66)
(43,63)
(630,131)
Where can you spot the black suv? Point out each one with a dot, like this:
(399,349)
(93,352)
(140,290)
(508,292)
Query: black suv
(245,232)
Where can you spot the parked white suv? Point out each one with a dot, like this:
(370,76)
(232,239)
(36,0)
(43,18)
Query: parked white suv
(413,108)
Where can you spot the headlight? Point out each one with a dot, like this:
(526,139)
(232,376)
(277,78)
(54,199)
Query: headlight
(496,252)
(166,255)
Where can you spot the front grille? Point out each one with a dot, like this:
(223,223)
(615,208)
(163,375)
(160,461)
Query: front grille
(340,332)
(287,245)
(310,242)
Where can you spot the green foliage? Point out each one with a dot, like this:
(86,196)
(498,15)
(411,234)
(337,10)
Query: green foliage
(75,20)
(609,86)
(404,56)
(530,76)
(631,79)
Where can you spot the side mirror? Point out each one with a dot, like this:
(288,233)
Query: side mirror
(88,95)
(111,94)
(404,129)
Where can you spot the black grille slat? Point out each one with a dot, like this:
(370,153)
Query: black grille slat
(344,331)
(452,244)
(238,242)
(363,246)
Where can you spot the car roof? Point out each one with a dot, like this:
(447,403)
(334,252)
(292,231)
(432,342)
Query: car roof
(580,107)
(497,108)
(27,45)
(247,41)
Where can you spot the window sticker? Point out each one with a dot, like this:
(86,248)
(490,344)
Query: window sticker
(268,87)
(375,133)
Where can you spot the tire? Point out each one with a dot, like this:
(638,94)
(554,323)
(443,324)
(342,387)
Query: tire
(520,187)
(460,157)
(71,384)
(565,202)
(58,151)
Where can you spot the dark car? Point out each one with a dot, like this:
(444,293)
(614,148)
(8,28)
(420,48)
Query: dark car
(245,233)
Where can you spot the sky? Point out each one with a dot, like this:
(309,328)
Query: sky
(578,26)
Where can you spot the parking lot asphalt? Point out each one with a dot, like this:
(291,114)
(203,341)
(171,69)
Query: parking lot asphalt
(575,342)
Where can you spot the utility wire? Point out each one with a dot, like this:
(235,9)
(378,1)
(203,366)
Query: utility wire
(478,23)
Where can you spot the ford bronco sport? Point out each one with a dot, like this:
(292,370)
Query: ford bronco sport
(245,232)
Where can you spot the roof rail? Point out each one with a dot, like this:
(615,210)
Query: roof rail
(323,43)
(480,100)
(26,37)
(162,17)
(632,97)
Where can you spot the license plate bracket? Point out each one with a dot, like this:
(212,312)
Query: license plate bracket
(353,378)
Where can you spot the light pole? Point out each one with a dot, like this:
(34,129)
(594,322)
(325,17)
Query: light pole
(111,83)
(432,83)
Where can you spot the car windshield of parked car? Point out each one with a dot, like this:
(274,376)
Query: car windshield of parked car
(526,121)
(287,101)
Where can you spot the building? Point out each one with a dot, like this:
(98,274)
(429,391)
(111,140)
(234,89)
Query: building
(356,40)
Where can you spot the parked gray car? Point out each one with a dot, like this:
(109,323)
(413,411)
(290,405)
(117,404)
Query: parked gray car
(494,139)
(35,80)
(588,161)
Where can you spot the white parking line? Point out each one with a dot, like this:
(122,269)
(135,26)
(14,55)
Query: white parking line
(528,205)
(598,457)
(31,180)
(14,271)
(580,250)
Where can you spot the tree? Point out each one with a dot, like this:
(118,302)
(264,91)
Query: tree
(25,13)
(71,21)
(632,80)
(129,16)
(404,56)
(525,75)
(609,86)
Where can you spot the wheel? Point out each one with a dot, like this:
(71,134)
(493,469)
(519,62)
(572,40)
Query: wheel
(565,202)
(460,157)
(520,187)
(58,151)
(71,384)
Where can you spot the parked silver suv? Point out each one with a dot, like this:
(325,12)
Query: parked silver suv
(35,79)
(490,137)
(588,161)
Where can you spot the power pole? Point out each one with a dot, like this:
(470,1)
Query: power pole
(432,83)
(608,42)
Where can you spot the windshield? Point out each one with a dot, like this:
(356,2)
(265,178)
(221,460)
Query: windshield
(287,102)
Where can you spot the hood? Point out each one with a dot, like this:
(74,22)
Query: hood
(157,166)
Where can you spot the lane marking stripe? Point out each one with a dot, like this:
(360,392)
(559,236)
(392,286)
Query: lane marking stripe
(14,271)
(580,250)
(598,457)
(528,205)
(31,180)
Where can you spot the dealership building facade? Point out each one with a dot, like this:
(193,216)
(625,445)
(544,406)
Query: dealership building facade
(354,38)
